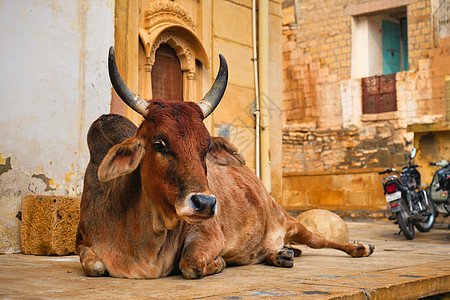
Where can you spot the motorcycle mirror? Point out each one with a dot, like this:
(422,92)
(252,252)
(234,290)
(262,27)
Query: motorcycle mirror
(413,153)
(443,163)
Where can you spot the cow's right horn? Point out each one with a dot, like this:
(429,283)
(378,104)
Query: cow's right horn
(131,99)
(214,95)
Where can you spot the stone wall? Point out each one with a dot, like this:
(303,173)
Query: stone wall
(337,191)
(419,31)
(325,132)
(376,145)
(324,30)
(431,82)
(325,33)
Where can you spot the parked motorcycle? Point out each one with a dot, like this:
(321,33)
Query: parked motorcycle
(439,189)
(410,207)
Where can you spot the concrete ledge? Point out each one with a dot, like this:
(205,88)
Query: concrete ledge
(441,126)
(49,224)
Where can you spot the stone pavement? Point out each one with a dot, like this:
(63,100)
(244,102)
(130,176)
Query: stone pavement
(398,269)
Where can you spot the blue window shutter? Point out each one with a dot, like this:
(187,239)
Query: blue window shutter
(404,24)
(391,47)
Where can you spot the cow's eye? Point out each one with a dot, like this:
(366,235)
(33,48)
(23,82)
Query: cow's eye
(160,146)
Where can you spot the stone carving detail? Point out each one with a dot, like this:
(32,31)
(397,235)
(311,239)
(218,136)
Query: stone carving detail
(179,45)
(166,11)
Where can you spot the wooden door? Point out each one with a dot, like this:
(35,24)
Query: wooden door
(167,77)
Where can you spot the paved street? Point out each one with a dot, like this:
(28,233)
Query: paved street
(398,269)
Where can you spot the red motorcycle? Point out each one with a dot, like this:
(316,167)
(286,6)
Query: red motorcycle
(410,206)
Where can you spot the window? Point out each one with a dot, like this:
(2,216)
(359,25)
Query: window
(379,43)
(379,51)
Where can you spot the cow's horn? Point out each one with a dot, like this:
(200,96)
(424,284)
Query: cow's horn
(214,95)
(131,99)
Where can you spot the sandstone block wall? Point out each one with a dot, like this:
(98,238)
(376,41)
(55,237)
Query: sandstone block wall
(316,136)
(325,133)
(338,191)
(324,31)
(49,224)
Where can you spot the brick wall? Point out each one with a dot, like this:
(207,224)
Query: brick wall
(419,31)
(311,95)
(325,33)
(311,141)
(340,191)
(325,133)
(320,102)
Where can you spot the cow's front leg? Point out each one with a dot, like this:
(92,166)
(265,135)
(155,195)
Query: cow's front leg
(92,265)
(200,256)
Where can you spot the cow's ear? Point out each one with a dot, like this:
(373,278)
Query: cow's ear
(121,159)
(222,152)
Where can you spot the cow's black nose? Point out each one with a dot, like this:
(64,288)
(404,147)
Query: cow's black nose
(204,203)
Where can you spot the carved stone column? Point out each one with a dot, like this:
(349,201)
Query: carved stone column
(189,86)
(147,81)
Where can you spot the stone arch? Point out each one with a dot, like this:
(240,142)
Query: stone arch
(166,22)
(183,50)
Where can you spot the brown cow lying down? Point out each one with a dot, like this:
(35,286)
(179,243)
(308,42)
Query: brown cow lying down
(167,197)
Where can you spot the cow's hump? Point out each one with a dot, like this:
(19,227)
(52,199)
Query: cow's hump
(107,131)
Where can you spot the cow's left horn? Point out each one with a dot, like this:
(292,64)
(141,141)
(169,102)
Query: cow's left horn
(214,95)
(131,99)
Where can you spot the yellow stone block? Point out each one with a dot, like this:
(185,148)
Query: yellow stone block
(240,65)
(328,198)
(359,198)
(236,26)
(49,224)
(236,107)
(294,199)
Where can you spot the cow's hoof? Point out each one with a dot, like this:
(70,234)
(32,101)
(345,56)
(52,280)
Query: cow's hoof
(297,251)
(192,273)
(213,267)
(285,258)
(91,263)
(220,264)
(96,269)
(363,249)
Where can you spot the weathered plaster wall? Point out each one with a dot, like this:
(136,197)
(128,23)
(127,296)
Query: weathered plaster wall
(53,84)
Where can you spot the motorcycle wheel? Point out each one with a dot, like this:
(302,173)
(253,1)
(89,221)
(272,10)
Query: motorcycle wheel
(404,221)
(428,224)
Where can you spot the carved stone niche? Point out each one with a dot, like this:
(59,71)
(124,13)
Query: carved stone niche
(181,47)
(166,22)
(163,11)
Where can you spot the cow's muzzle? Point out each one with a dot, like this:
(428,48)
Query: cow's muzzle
(204,203)
(198,207)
